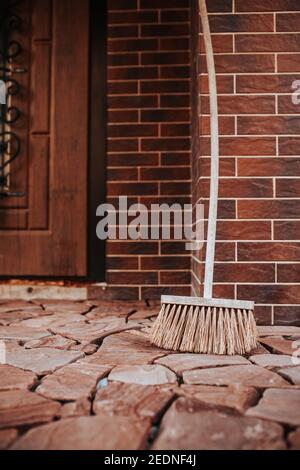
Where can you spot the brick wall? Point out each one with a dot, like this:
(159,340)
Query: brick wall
(257,46)
(148,136)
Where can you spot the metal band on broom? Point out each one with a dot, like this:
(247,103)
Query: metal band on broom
(207,325)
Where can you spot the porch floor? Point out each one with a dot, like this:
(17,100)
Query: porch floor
(83,375)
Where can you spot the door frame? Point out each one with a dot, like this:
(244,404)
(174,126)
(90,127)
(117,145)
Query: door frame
(97,135)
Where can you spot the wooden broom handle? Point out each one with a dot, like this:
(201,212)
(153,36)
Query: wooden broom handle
(214,131)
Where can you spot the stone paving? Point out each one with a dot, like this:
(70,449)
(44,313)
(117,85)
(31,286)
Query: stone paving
(83,375)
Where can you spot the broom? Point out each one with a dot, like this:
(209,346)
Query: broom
(207,325)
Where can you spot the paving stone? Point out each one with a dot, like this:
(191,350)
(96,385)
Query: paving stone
(278,330)
(294,439)
(7,438)
(144,314)
(72,382)
(21,407)
(233,398)
(22,333)
(143,375)
(42,361)
(56,342)
(127,348)
(12,378)
(87,433)
(52,320)
(248,375)
(282,406)
(181,362)
(291,373)
(119,311)
(259,350)
(87,349)
(19,305)
(60,306)
(94,330)
(279,345)
(271,360)
(16,316)
(81,407)
(120,399)
(186,427)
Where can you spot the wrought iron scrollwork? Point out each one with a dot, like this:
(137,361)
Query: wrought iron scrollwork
(10,49)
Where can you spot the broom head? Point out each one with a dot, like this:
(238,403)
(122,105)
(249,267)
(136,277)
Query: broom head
(207,326)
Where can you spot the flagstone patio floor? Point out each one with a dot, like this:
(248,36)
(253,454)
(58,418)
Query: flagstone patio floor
(83,375)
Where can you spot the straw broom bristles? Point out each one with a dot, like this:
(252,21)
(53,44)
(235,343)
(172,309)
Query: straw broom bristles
(206,330)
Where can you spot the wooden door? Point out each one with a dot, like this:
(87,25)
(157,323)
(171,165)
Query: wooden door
(43,230)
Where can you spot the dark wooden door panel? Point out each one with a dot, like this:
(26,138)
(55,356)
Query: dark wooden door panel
(43,233)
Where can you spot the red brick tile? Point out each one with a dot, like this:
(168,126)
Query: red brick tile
(230,146)
(288,273)
(263,314)
(132,248)
(169,173)
(165,262)
(269,167)
(219,6)
(226,125)
(288,22)
(133,159)
(288,63)
(241,63)
(287,316)
(236,188)
(131,189)
(163,30)
(132,278)
(286,105)
(115,60)
(289,146)
(244,272)
(260,125)
(132,73)
(122,145)
(265,83)
(269,209)
(122,31)
(227,166)
(122,262)
(130,45)
(123,116)
(244,230)
(270,294)
(175,277)
(132,130)
(174,71)
(165,143)
(268,43)
(221,43)
(165,58)
(236,23)
(156,293)
(271,251)
(120,88)
(165,115)
(122,174)
(241,104)
(175,16)
(164,86)
(267,5)
(224,84)
(121,5)
(287,230)
(132,17)
(288,188)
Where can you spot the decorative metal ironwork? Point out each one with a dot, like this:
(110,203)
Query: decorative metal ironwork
(10,50)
